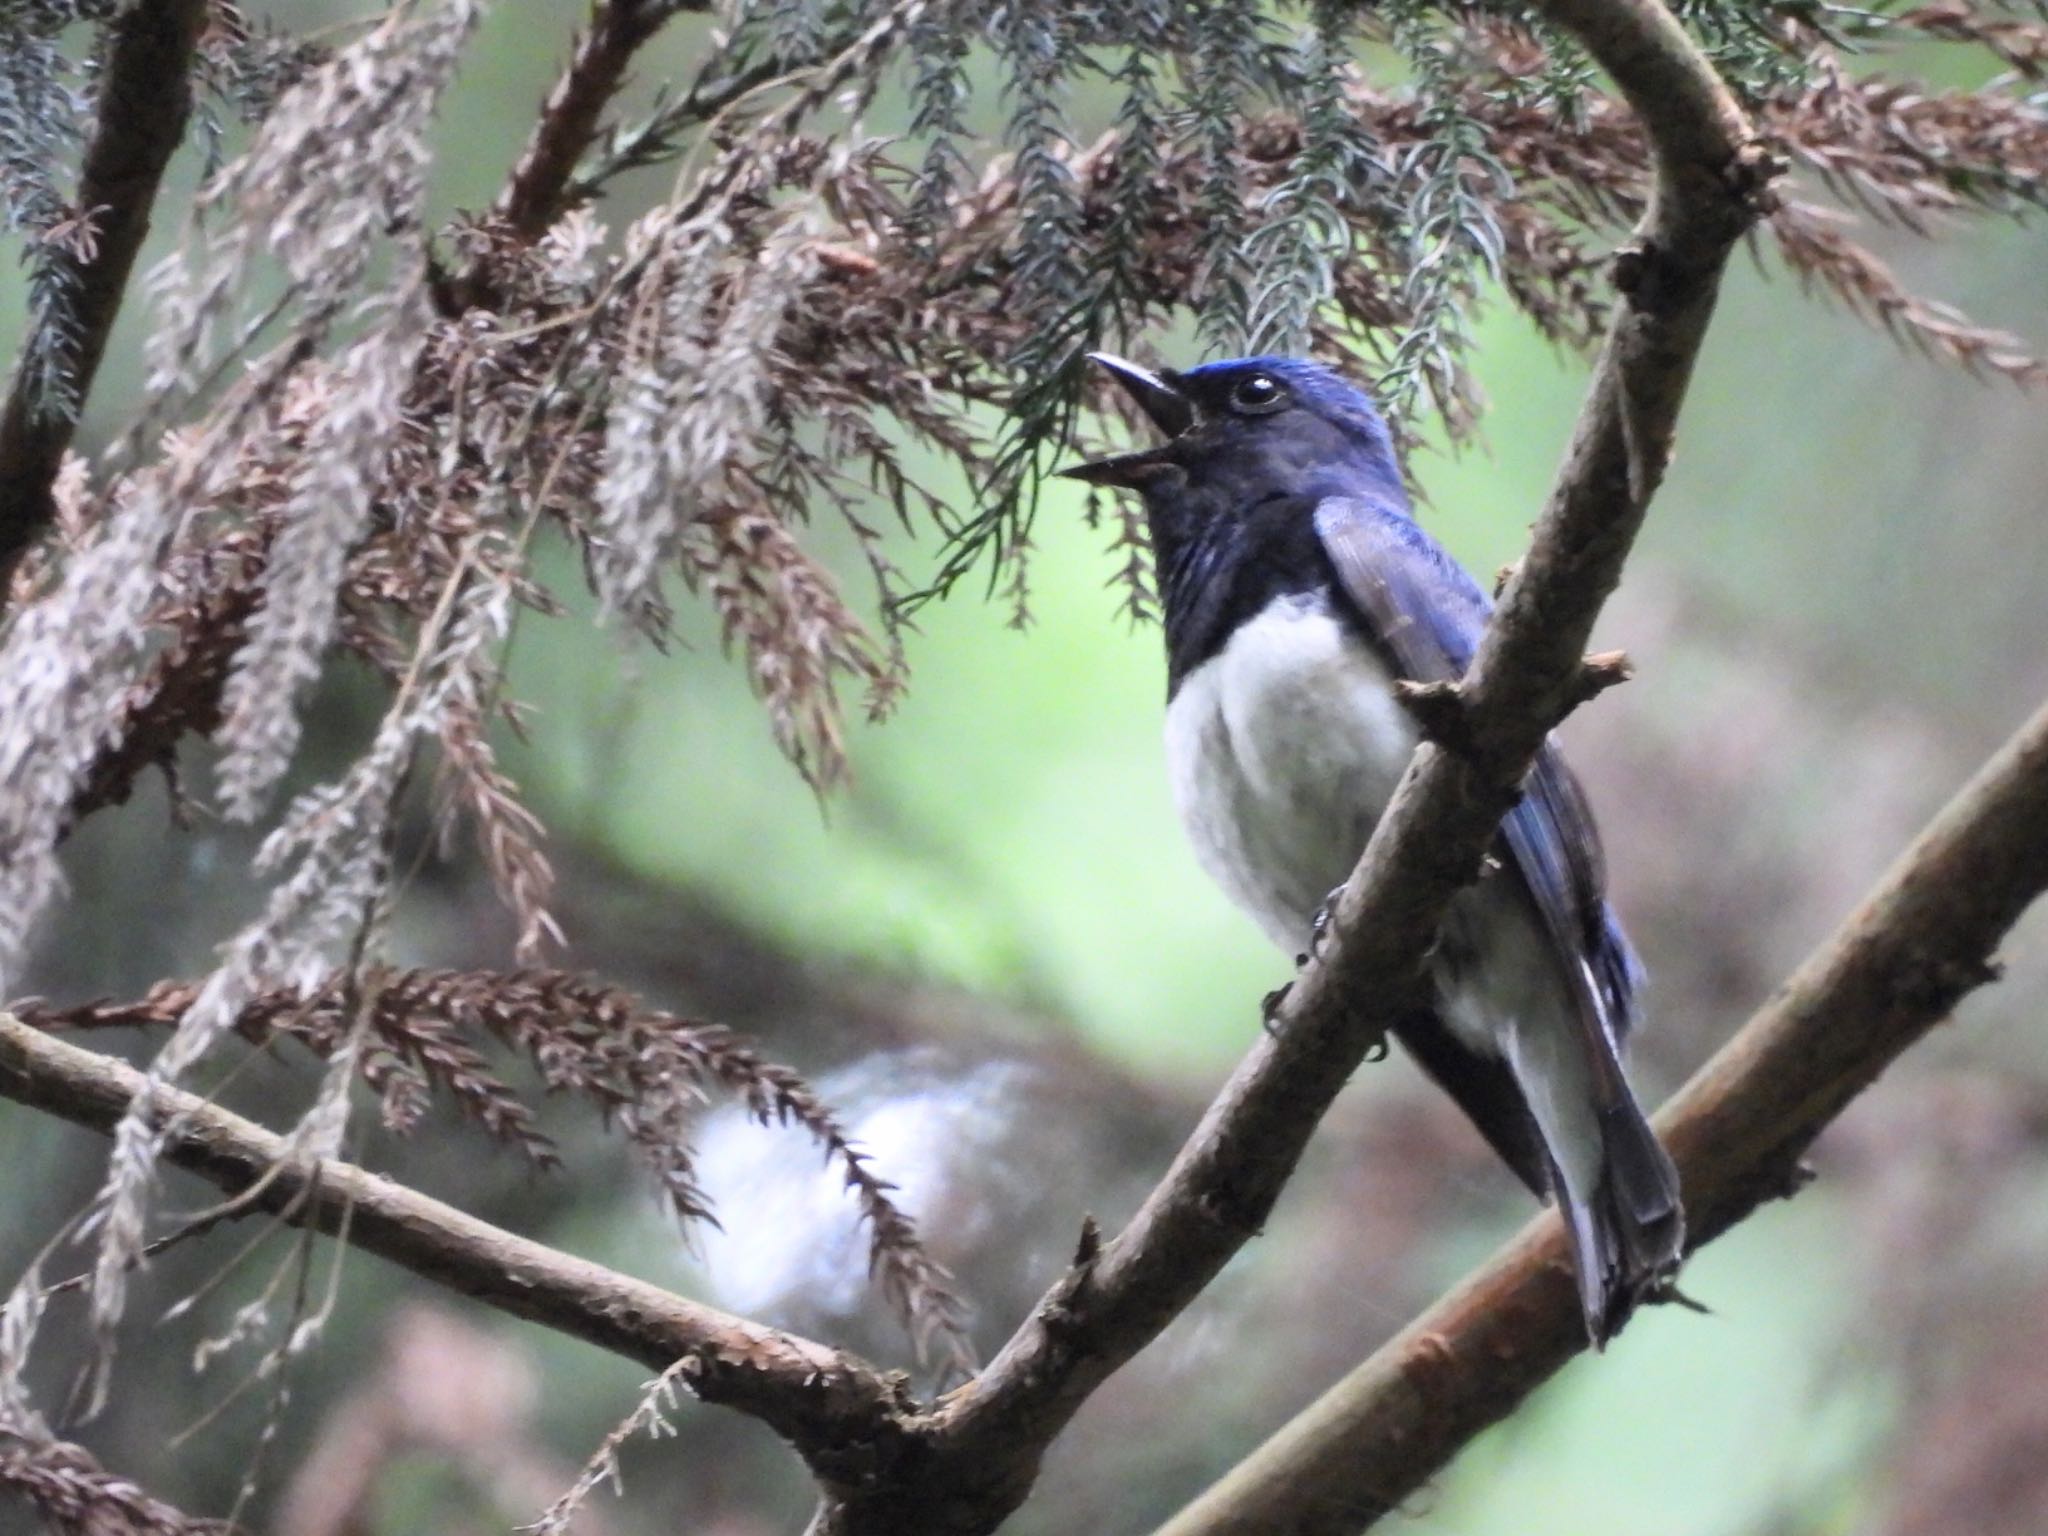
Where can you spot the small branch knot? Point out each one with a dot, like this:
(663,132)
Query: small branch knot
(1752,177)
(1631,268)
(1439,713)
(1058,1311)
(1089,1245)
(1598,673)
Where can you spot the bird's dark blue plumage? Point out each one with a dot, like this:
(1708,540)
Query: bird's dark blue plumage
(1296,586)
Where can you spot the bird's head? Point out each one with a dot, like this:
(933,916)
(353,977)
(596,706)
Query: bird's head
(1270,424)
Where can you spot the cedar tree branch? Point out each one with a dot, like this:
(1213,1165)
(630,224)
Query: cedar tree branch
(1894,970)
(537,194)
(959,1469)
(145,95)
(540,188)
(829,1405)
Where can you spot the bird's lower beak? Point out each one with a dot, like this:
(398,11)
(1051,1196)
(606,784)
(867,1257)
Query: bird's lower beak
(1163,404)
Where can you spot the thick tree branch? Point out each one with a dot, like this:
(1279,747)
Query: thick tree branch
(1895,969)
(829,1405)
(145,95)
(1711,181)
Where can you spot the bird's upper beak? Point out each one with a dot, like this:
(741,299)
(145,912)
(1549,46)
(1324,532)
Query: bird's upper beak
(1158,395)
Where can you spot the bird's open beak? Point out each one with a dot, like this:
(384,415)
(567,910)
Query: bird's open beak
(1163,404)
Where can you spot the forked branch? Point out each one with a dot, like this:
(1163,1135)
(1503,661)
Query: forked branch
(1712,182)
(1896,968)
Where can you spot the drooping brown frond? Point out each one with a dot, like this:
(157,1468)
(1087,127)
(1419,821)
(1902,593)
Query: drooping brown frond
(786,614)
(647,1072)
(2021,42)
(1816,246)
(508,835)
(332,487)
(205,624)
(916,1285)
(1554,276)
(1908,155)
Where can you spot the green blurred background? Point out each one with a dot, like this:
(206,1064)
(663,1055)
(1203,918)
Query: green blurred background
(996,953)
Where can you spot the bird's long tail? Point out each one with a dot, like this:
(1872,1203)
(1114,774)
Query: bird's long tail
(1614,1183)
(1628,1232)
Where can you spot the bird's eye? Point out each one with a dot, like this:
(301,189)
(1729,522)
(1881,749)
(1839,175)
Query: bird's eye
(1257,392)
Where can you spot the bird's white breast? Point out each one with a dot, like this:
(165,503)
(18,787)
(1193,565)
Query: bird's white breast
(1283,750)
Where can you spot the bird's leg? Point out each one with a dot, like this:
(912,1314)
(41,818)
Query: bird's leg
(1269,1006)
(1320,926)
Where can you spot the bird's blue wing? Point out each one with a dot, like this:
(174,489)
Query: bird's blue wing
(1425,614)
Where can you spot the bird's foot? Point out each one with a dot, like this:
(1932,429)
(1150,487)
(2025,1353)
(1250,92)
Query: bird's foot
(1269,1006)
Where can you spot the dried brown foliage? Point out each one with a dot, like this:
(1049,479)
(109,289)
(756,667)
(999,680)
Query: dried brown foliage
(646,1071)
(1815,245)
(824,323)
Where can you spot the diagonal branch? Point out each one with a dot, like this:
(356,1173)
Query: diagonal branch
(145,96)
(827,1404)
(1895,969)
(1710,187)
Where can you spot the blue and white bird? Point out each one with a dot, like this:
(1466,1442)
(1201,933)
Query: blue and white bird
(1296,588)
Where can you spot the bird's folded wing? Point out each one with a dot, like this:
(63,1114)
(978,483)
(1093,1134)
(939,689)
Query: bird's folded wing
(1425,614)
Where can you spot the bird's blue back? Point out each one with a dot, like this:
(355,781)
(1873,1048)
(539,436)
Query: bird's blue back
(1315,498)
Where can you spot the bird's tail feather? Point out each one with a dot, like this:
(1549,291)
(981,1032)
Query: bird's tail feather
(1628,1232)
